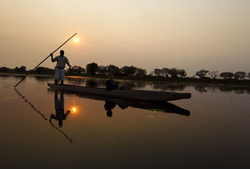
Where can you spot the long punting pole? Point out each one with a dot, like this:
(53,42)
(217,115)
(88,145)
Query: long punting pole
(43,61)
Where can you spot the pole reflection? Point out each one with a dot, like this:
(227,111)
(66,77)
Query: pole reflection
(43,116)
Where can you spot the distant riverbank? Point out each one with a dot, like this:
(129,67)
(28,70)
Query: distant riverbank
(153,79)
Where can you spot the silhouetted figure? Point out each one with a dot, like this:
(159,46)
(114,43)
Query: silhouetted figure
(59,108)
(60,65)
(112,85)
(109,106)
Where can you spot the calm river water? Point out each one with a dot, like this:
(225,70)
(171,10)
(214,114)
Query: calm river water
(44,129)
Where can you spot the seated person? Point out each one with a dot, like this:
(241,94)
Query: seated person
(112,85)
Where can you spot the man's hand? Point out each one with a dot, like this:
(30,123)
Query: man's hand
(52,60)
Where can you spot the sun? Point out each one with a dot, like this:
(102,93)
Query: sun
(76,40)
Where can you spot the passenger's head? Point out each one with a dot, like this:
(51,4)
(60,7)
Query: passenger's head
(111,76)
(61,52)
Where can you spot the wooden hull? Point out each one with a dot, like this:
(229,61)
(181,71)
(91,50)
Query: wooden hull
(140,95)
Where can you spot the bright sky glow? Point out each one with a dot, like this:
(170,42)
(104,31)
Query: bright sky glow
(186,34)
(76,40)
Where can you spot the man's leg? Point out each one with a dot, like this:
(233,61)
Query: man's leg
(62,74)
(56,75)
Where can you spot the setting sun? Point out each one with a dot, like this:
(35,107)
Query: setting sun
(76,40)
(74,109)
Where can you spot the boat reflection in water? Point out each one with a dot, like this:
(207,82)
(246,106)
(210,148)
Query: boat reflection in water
(59,108)
(160,106)
(163,106)
(109,105)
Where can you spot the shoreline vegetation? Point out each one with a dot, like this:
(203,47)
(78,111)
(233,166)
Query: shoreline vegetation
(245,83)
(172,76)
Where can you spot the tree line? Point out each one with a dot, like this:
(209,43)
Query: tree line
(239,75)
(95,69)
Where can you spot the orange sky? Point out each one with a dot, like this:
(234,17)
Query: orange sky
(186,34)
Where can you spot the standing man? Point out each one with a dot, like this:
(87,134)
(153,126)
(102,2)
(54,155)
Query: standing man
(60,65)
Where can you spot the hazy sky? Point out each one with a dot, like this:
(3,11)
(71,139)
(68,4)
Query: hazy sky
(184,34)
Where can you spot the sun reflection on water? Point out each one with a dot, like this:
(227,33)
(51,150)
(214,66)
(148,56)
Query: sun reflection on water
(74,111)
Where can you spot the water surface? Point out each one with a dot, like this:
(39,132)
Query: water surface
(213,131)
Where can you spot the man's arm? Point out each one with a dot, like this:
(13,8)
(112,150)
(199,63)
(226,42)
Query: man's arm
(52,60)
(67,61)
(69,65)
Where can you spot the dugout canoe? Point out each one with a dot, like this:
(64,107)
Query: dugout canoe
(139,95)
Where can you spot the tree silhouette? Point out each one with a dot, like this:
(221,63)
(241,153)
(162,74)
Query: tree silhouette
(92,68)
(76,70)
(102,70)
(22,69)
(182,73)
(202,73)
(128,70)
(213,74)
(4,69)
(227,75)
(44,70)
(164,71)
(114,69)
(173,72)
(140,72)
(157,72)
(239,75)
